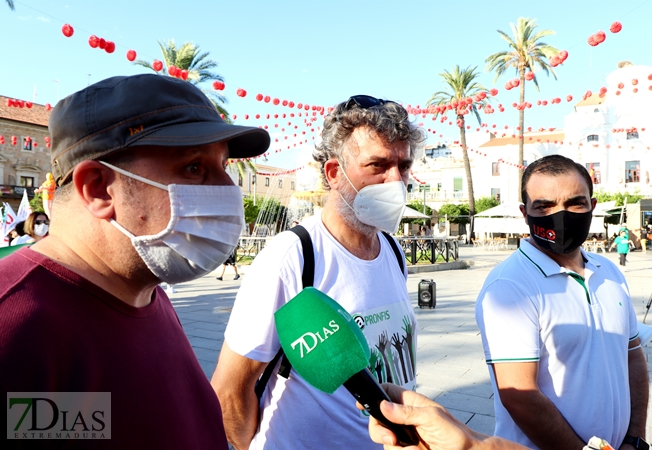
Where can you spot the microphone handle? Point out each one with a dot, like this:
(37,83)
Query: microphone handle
(366,390)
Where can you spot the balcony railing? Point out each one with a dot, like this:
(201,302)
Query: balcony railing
(438,196)
(10,191)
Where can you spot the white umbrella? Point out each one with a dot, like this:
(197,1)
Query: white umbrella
(410,213)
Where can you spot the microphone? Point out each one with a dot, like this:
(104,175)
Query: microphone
(327,348)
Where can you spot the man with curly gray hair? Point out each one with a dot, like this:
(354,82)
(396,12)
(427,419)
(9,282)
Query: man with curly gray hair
(365,157)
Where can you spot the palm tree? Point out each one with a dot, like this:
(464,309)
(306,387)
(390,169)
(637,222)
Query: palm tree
(526,53)
(11,4)
(461,86)
(199,66)
(188,57)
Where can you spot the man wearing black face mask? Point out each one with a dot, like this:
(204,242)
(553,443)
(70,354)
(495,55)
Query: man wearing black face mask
(558,327)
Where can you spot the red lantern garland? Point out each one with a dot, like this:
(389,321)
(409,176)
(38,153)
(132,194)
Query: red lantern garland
(157,65)
(67,30)
(218,85)
(241,92)
(616,27)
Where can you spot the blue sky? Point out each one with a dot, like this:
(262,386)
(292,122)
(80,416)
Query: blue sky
(319,52)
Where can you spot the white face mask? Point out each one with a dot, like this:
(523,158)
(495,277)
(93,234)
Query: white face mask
(41,229)
(204,229)
(379,205)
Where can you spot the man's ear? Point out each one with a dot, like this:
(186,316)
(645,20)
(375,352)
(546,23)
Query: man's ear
(95,185)
(332,168)
(594,202)
(524,212)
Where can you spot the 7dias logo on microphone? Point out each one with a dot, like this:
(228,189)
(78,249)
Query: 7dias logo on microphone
(548,235)
(309,341)
(58,415)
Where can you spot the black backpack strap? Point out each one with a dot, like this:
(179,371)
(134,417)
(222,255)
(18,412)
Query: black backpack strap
(397,251)
(307,279)
(308,275)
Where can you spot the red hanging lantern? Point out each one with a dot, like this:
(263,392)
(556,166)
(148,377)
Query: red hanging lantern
(172,71)
(592,40)
(569,98)
(555,61)
(218,85)
(634,81)
(284,103)
(131,55)
(600,36)
(28,104)
(184,74)
(48,107)
(67,30)
(102,43)
(259,97)
(276,101)
(563,55)
(110,47)
(267,99)
(93,41)
(157,65)
(493,91)
(649,77)
(241,92)
(529,76)
(616,27)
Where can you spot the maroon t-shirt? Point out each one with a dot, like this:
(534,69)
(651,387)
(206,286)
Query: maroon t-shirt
(61,333)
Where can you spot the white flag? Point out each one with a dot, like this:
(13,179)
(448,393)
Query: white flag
(24,210)
(10,219)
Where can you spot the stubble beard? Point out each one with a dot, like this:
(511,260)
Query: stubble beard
(347,195)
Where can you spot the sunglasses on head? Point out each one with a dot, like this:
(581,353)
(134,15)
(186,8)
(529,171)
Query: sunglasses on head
(364,102)
(41,222)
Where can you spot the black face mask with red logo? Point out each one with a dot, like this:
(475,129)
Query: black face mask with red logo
(561,232)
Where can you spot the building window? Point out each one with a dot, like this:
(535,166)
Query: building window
(267,181)
(292,185)
(592,137)
(409,187)
(280,184)
(27,181)
(457,184)
(253,179)
(495,169)
(27,144)
(438,187)
(495,194)
(632,135)
(240,180)
(594,171)
(632,171)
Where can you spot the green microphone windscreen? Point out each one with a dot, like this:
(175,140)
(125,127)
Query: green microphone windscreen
(321,340)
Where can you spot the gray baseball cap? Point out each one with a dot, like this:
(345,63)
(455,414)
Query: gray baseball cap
(130,111)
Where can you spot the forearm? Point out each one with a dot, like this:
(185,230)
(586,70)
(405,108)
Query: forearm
(639,392)
(496,443)
(240,417)
(540,420)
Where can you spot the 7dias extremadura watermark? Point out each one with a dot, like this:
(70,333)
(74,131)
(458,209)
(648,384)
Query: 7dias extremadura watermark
(58,415)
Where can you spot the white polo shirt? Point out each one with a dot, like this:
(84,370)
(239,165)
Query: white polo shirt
(579,329)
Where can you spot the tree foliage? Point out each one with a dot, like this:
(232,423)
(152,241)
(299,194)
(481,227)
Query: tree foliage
(485,203)
(455,213)
(619,197)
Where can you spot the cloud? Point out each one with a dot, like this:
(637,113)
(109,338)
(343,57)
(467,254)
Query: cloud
(24,17)
(43,19)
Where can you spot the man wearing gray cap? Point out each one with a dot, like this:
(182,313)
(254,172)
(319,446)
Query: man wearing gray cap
(143,198)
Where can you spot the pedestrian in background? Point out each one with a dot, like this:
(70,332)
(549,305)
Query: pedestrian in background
(622,247)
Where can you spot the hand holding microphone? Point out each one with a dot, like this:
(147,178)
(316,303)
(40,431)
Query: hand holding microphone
(436,427)
(327,348)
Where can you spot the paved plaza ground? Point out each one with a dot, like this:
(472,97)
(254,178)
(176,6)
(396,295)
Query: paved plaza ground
(450,360)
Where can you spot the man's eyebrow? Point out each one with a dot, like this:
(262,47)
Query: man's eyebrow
(381,159)
(542,201)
